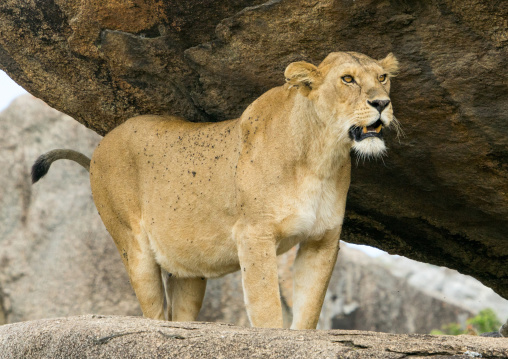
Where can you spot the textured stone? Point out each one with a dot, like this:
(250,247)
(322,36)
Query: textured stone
(123,337)
(108,60)
(441,194)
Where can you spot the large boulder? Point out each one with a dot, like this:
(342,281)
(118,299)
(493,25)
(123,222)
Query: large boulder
(440,196)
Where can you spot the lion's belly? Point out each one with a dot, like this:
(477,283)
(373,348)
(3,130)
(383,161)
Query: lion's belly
(188,259)
(193,255)
(191,233)
(187,254)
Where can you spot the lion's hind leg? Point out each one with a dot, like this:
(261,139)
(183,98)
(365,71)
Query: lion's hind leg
(144,273)
(184,297)
(143,270)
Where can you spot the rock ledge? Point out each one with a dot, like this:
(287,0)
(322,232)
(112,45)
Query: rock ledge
(96,336)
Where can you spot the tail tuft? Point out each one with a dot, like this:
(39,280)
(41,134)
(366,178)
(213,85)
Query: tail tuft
(40,168)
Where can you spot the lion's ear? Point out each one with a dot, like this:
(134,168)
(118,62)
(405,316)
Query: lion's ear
(390,64)
(303,75)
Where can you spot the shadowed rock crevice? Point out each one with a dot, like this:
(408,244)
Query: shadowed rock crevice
(441,195)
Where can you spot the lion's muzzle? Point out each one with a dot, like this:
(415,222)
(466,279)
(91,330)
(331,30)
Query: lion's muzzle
(360,133)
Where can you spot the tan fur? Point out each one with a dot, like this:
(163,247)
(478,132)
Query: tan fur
(203,200)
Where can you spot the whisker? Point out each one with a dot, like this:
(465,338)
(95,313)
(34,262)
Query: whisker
(398,128)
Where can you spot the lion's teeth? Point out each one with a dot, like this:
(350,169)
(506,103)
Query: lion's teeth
(379,128)
(364,130)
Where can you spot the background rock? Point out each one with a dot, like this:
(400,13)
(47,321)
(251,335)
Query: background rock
(120,337)
(441,195)
(364,295)
(445,284)
(56,257)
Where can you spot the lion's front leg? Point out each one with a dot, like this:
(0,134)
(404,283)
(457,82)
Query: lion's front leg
(312,271)
(258,263)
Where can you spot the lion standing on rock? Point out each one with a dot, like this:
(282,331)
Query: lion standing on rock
(201,200)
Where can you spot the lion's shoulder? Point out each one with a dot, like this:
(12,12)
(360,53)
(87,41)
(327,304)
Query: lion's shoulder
(271,105)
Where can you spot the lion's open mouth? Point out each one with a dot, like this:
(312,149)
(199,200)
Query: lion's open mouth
(360,133)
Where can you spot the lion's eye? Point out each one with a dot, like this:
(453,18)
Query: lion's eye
(348,79)
(382,78)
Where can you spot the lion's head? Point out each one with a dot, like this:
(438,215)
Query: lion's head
(350,92)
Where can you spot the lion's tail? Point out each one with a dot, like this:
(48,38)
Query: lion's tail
(42,164)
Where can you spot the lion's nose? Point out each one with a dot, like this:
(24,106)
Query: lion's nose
(379,105)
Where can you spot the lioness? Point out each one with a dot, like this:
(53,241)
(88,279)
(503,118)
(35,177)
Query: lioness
(201,200)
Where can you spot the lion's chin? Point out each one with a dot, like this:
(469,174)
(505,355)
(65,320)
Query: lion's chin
(369,147)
